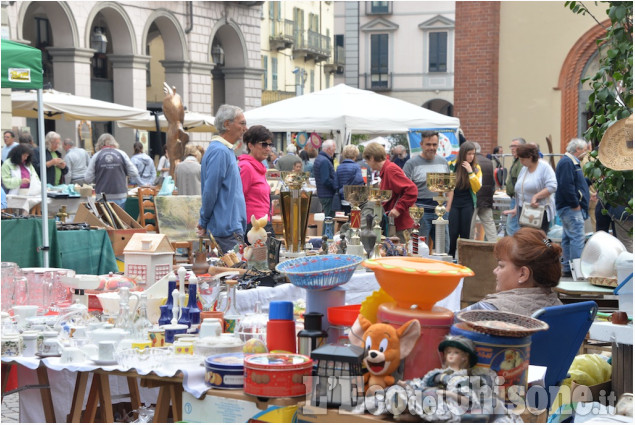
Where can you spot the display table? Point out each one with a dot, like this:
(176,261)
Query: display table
(361,285)
(85,251)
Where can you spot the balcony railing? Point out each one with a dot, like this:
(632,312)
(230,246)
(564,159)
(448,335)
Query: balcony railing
(314,46)
(378,81)
(271,96)
(281,35)
(336,65)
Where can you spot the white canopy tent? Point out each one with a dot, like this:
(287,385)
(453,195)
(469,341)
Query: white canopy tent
(347,110)
(57,104)
(193,122)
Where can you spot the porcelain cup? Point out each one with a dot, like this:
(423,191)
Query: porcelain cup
(183,348)
(72,355)
(211,327)
(157,337)
(11,345)
(106,350)
(29,343)
(23,312)
(51,347)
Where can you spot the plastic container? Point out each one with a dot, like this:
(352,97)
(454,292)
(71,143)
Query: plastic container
(281,327)
(507,356)
(278,375)
(344,315)
(225,371)
(435,324)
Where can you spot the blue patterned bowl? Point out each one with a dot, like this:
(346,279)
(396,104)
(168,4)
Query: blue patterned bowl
(320,271)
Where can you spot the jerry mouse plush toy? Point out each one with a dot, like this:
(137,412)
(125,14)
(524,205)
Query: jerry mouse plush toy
(384,348)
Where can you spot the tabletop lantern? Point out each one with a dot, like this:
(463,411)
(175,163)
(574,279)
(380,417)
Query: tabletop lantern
(148,257)
(338,378)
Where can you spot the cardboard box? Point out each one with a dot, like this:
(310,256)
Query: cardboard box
(118,237)
(598,392)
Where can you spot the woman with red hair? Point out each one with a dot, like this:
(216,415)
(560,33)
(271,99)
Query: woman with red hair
(528,268)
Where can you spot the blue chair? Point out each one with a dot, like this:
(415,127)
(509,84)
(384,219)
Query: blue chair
(557,347)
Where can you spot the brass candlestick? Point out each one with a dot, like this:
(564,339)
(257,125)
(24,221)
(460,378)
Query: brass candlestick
(294,205)
(442,183)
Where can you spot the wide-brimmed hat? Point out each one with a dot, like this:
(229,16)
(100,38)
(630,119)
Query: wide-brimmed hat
(616,147)
(462,344)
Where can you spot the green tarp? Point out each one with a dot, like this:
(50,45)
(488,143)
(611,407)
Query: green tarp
(21,66)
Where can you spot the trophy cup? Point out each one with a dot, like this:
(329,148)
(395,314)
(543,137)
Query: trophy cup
(294,205)
(356,195)
(378,197)
(416,213)
(442,183)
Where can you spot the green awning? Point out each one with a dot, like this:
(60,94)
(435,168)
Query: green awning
(21,66)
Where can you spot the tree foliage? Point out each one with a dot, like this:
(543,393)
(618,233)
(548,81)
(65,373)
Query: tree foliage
(612,97)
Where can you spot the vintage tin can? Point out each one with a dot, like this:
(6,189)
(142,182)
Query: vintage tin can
(278,375)
(225,371)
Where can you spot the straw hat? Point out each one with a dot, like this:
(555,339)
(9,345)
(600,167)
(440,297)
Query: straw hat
(616,147)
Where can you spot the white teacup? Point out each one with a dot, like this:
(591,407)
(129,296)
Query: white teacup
(23,312)
(51,347)
(72,355)
(106,351)
(211,327)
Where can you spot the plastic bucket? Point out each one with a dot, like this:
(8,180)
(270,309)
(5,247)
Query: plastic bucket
(435,324)
(507,356)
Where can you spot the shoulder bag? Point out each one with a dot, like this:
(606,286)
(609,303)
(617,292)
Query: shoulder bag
(530,216)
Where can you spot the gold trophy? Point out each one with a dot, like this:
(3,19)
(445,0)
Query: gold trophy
(294,205)
(442,183)
(356,195)
(416,213)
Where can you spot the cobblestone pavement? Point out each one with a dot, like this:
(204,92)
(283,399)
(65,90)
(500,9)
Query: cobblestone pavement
(10,412)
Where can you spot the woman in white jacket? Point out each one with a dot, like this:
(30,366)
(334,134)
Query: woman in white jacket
(18,174)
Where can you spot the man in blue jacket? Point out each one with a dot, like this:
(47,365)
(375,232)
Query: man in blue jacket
(324,174)
(572,202)
(223,211)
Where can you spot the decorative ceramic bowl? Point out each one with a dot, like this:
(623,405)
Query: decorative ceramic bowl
(420,281)
(320,271)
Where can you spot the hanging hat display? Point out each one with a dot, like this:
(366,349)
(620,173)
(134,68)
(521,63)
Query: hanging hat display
(616,148)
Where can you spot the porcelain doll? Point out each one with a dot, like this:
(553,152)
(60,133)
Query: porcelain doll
(457,388)
(256,253)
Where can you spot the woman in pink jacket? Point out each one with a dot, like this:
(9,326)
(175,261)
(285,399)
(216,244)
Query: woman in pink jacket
(253,174)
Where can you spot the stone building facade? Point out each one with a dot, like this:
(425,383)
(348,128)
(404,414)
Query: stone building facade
(189,32)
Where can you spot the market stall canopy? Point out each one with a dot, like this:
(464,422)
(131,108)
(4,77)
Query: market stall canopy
(72,107)
(349,110)
(194,122)
(21,66)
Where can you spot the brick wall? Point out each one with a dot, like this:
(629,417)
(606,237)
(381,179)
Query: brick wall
(476,71)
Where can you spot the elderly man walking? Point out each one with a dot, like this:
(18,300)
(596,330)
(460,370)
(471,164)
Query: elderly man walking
(223,211)
(324,173)
(572,202)
(287,162)
(77,160)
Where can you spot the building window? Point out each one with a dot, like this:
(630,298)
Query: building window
(379,60)
(265,62)
(314,22)
(438,52)
(312,82)
(379,7)
(274,74)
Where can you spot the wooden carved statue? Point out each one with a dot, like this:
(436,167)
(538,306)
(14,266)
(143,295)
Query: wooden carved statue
(177,138)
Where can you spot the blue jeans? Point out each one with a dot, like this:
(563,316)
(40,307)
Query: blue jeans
(572,235)
(427,229)
(512,220)
(120,202)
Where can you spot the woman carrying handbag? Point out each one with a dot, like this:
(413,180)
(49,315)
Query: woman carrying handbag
(536,182)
